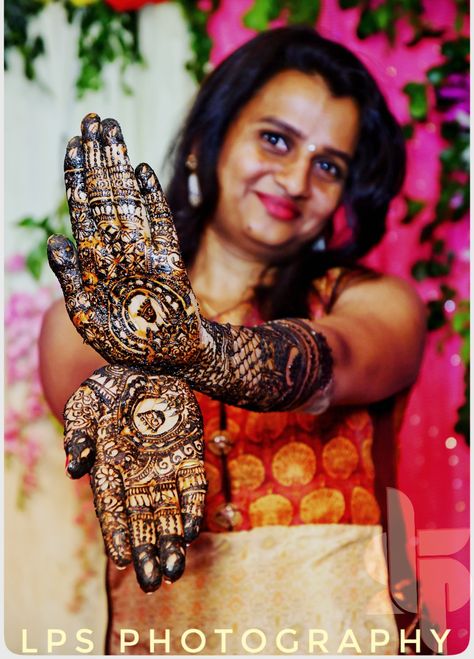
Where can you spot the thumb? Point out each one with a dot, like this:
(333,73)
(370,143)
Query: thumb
(62,257)
(80,431)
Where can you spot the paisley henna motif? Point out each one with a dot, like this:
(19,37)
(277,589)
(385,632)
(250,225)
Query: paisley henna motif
(140,438)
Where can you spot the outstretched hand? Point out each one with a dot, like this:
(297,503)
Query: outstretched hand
(140,439)
(125,286)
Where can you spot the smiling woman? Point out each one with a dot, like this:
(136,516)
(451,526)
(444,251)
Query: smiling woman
(283,165)
(300,358)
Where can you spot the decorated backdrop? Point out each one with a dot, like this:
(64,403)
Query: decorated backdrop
(141,62)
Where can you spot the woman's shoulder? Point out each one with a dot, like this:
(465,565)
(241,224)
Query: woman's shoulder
(362,285)
(328,287)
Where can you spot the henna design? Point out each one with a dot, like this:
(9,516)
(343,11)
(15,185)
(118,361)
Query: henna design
(277,366)
(128,294)
(140,438)
(125,286)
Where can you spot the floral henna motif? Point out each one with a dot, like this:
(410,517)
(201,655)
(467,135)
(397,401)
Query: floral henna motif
(140,438)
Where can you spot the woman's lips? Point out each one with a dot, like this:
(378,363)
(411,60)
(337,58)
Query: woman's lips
(279,208)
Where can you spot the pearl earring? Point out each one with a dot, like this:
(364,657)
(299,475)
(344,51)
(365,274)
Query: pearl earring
(194,189)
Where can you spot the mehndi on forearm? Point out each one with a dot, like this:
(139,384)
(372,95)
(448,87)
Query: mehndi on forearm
(276,366)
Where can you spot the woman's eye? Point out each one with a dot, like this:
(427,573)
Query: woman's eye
(329,170)
(275,140)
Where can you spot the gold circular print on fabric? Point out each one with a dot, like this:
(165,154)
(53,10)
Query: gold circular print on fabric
(270,510)
(323,506)
(247,472)
(364,507)
(366,455)
(340,457)
(294,464)
(213,478)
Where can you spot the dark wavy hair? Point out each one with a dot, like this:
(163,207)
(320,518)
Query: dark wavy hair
(376,173)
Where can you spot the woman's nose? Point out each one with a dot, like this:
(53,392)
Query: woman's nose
(294,177)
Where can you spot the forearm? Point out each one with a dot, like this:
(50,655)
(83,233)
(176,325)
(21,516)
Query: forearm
(276,366)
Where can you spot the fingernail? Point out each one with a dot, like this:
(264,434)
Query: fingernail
(111,131)
(167,581)
(74,153)
(121,567)
(90,126)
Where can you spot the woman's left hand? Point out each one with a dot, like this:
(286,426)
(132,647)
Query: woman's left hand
(125,286)
(139,437)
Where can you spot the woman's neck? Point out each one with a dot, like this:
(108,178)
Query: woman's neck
(221,275)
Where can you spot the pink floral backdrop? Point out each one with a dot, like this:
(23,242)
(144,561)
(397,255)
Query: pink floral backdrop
(434,460)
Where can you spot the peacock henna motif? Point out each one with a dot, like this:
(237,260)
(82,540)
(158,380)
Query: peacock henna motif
(140,438)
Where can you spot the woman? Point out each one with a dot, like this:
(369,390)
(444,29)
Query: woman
(284,133)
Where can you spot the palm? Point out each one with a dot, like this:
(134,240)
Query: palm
(125,287)
(140,438)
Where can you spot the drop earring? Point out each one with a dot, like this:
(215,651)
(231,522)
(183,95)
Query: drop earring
(319,244)
(194,189)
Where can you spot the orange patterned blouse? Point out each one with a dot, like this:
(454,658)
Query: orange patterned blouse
(293,468)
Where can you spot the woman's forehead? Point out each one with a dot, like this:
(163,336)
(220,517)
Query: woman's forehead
(306,103)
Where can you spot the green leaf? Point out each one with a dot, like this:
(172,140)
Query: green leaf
(436,317)
(419,270)
(436,75)
(367,25)
(456,49)
(303,12)
(348,4)
(262,12)
(414,206)
(408,130)
(36,258)
(29,223)
(417,100)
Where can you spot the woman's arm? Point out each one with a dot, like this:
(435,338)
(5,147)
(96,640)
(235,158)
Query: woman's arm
(376,331)
(65,361)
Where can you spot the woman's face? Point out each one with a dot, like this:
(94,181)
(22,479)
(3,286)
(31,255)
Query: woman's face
(283,165)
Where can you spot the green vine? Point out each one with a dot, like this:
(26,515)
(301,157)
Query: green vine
(263,12)
(104,36)
(57,222)
(201,43)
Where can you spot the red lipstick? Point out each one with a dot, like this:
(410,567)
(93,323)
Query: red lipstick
(279,208)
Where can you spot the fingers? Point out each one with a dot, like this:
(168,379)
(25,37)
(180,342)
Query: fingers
(62,257)
(170,533)
(80,431)
(100,195)
(192,487)
(143,538)
(109,502)
(162,229)
(128,201)
(83,226)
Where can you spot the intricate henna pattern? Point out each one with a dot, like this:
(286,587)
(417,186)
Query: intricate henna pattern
(140,438)
(125,287)
(275,366)
(128,294)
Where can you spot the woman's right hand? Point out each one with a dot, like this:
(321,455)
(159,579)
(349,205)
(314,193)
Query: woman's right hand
(125,287)
(140,439)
